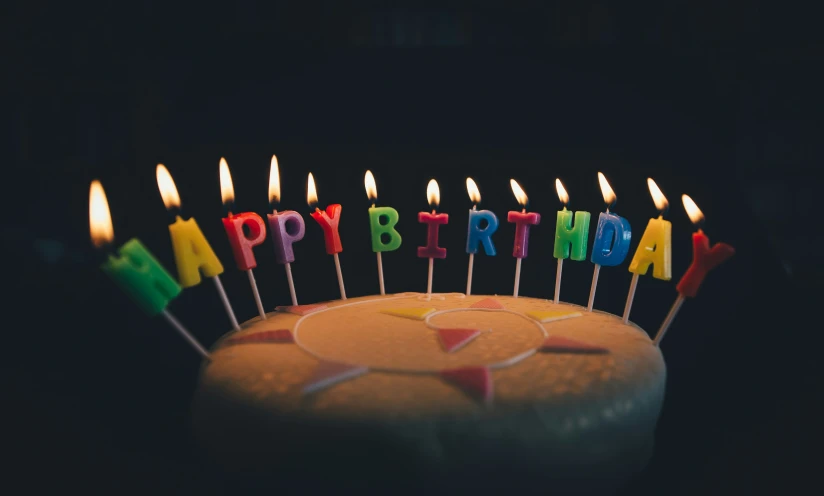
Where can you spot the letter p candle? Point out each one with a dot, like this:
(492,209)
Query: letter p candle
(287,228)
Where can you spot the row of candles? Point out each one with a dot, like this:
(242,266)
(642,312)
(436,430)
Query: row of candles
(141,276)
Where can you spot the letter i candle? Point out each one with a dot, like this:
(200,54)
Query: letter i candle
(193,255)
(433,221)
(328,220)
(135,270)
(612,238)
(378,228)
(704,259)
(655,248)
(287,228)
(475,234)
(570,242)
(522,221)
(242,244)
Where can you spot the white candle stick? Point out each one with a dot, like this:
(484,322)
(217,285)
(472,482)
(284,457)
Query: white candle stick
(340,278)
(291,283)
(226,304)
(429,280)
(469,274)
(630,297)
(668,321)
(186,335)
(380,273)
(253,283)
(517,277)
(558,280)
(595,273)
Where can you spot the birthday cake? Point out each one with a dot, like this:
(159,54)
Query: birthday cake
(463,390)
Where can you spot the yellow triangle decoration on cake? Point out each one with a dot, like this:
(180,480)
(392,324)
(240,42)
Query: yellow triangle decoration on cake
(552,315)
(409,313)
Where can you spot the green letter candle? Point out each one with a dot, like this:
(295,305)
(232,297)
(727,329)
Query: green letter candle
(571,242)
(141,276)
(390,217)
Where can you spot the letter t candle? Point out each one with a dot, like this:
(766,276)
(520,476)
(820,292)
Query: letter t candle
(704,259)
(522,221)
(328,221)
(433,222)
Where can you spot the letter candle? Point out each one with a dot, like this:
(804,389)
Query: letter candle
(135,270)
(379,229)
(654,248)
(475,235)
(433,221)
(704,259)
(522,221)
(241,243)
(193,254)
(570,242)
(287,227)
(328,221)
(612,238)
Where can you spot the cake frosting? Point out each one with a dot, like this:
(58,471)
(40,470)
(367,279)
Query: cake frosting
(442,384)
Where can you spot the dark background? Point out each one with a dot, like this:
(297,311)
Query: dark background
(719,100)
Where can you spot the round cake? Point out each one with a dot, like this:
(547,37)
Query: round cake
(442,389)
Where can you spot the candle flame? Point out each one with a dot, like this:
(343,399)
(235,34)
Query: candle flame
(692,210)
(166,185)
(371,187)
(100,218)
(274,181)
(658,197)
(606,190)
(562,192)
(311,192)
(227,189)
(474,192)
(433,194)
(523,200)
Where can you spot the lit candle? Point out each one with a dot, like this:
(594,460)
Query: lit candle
(328,221)
(433,221)
(476,235)
(655,248)
(612,238)
(287,227)
(134,269)
(193,255)
(242,243)
(704,259)
(522,221)
(378,228)
(570,242)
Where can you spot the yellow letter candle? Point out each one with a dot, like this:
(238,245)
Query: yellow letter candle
(655,247)
(193,255)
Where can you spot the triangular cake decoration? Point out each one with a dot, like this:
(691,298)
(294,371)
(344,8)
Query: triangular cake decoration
(552,315)
(474,381)
(273,336)
(301,309)
(330,373)
(409,313)
(488,303)
(559,344)
(455,339)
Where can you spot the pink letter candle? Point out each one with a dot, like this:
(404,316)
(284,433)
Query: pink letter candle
(433,223)
(522,220)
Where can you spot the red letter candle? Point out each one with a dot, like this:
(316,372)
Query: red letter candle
(522,221)
(287,227)
(433,222)
(328,221)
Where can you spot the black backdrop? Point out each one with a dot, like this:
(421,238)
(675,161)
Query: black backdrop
(714,102)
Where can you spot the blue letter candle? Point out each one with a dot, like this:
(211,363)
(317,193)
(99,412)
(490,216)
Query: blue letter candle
(612,240)
(478,236)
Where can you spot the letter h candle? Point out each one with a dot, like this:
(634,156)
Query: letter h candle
(570,242)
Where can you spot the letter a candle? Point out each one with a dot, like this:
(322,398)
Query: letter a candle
(704,259)
(433,221)
(241,243)
(378,228)
(612,238)
(570,242)
(522,221)
(655,248)
(193,254)
(135,270)
(287,227)
(476,235)
(328,221)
